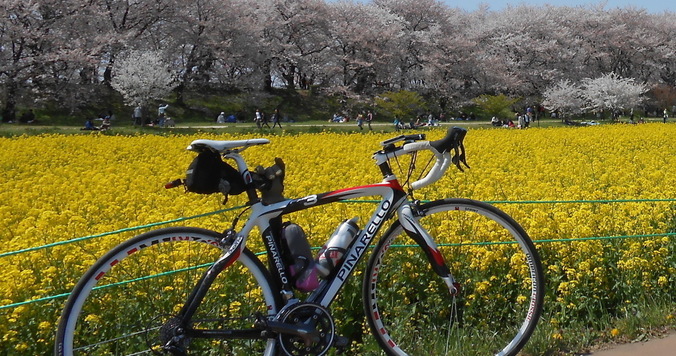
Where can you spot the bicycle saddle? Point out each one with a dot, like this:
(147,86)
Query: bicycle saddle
(222,146)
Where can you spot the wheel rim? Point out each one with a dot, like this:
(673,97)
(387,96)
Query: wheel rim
(134,291)
(411,311)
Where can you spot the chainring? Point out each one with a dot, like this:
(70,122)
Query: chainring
(308,314)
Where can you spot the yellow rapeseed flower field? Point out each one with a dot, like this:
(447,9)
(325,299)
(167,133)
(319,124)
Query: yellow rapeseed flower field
(56,188)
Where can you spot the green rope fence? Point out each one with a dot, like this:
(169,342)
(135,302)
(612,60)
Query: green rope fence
(140,227)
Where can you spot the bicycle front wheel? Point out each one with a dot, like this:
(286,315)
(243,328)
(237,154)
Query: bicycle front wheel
(411,310)
(120,305)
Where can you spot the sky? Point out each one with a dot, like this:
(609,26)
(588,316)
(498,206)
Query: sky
(651,6)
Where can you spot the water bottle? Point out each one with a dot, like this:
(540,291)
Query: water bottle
(333,252)
(303,269)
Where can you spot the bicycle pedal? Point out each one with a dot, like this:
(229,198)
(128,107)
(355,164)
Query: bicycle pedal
(341,343)
(175,351)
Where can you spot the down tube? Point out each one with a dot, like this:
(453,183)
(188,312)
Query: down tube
(391,200)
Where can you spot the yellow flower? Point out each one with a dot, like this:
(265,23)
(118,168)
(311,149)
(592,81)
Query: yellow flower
(93,318)
(124,189)
(45,325)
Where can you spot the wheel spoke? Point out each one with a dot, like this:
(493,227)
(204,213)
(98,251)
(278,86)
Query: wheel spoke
(410,308)
(126,303)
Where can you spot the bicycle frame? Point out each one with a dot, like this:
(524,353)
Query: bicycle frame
(392,198)
(268,219)
(280,312)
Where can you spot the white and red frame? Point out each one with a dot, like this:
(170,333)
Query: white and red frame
(393,199)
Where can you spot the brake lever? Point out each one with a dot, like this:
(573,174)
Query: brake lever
(459,156)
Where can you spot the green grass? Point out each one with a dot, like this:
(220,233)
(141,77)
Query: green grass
(646,321)
(189,128)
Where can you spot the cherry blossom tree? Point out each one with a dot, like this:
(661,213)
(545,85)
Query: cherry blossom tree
(612,93)
(504,48)
(608,92)
(450,64)
(362,45)
(122,25)
(40,49)
(421,22)
(289,35)
(219,44)
(565,98)
(65,51)
(142,76)
(199,32)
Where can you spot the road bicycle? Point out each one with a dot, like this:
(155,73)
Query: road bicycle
(452,276)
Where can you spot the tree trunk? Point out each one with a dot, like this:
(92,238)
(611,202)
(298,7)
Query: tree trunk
(290,77)
(267,77)
(108,74)
(180,97)
(9,111)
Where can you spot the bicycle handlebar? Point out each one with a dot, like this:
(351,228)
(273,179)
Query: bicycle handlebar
(441,149)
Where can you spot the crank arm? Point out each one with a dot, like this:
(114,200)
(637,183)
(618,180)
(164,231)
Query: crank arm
(308,333)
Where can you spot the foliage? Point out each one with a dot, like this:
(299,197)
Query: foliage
(606,93)
(403,104)
(495,105)
(359,48)
(613,93)
(141,76)
(564,98)
(94,184)
(665,95)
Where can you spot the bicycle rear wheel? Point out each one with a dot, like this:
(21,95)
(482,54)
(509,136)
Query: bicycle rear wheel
(410,309)
(120,305)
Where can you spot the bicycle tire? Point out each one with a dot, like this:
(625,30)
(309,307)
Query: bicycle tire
(411,311)
(120,304)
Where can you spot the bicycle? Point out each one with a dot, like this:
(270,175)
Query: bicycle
(181,289)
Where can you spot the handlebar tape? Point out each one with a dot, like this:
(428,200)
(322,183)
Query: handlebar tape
(452,140)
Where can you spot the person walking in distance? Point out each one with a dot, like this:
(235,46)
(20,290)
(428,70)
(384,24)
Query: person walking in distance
(276,119)
(369,118)
(137,116)
(258,118)
(265,120)
(360,121)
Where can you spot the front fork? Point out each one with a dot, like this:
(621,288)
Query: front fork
(409,214)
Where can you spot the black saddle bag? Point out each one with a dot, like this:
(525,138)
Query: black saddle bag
(208,174)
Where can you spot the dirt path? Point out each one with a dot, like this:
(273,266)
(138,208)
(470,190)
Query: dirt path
(664,346)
